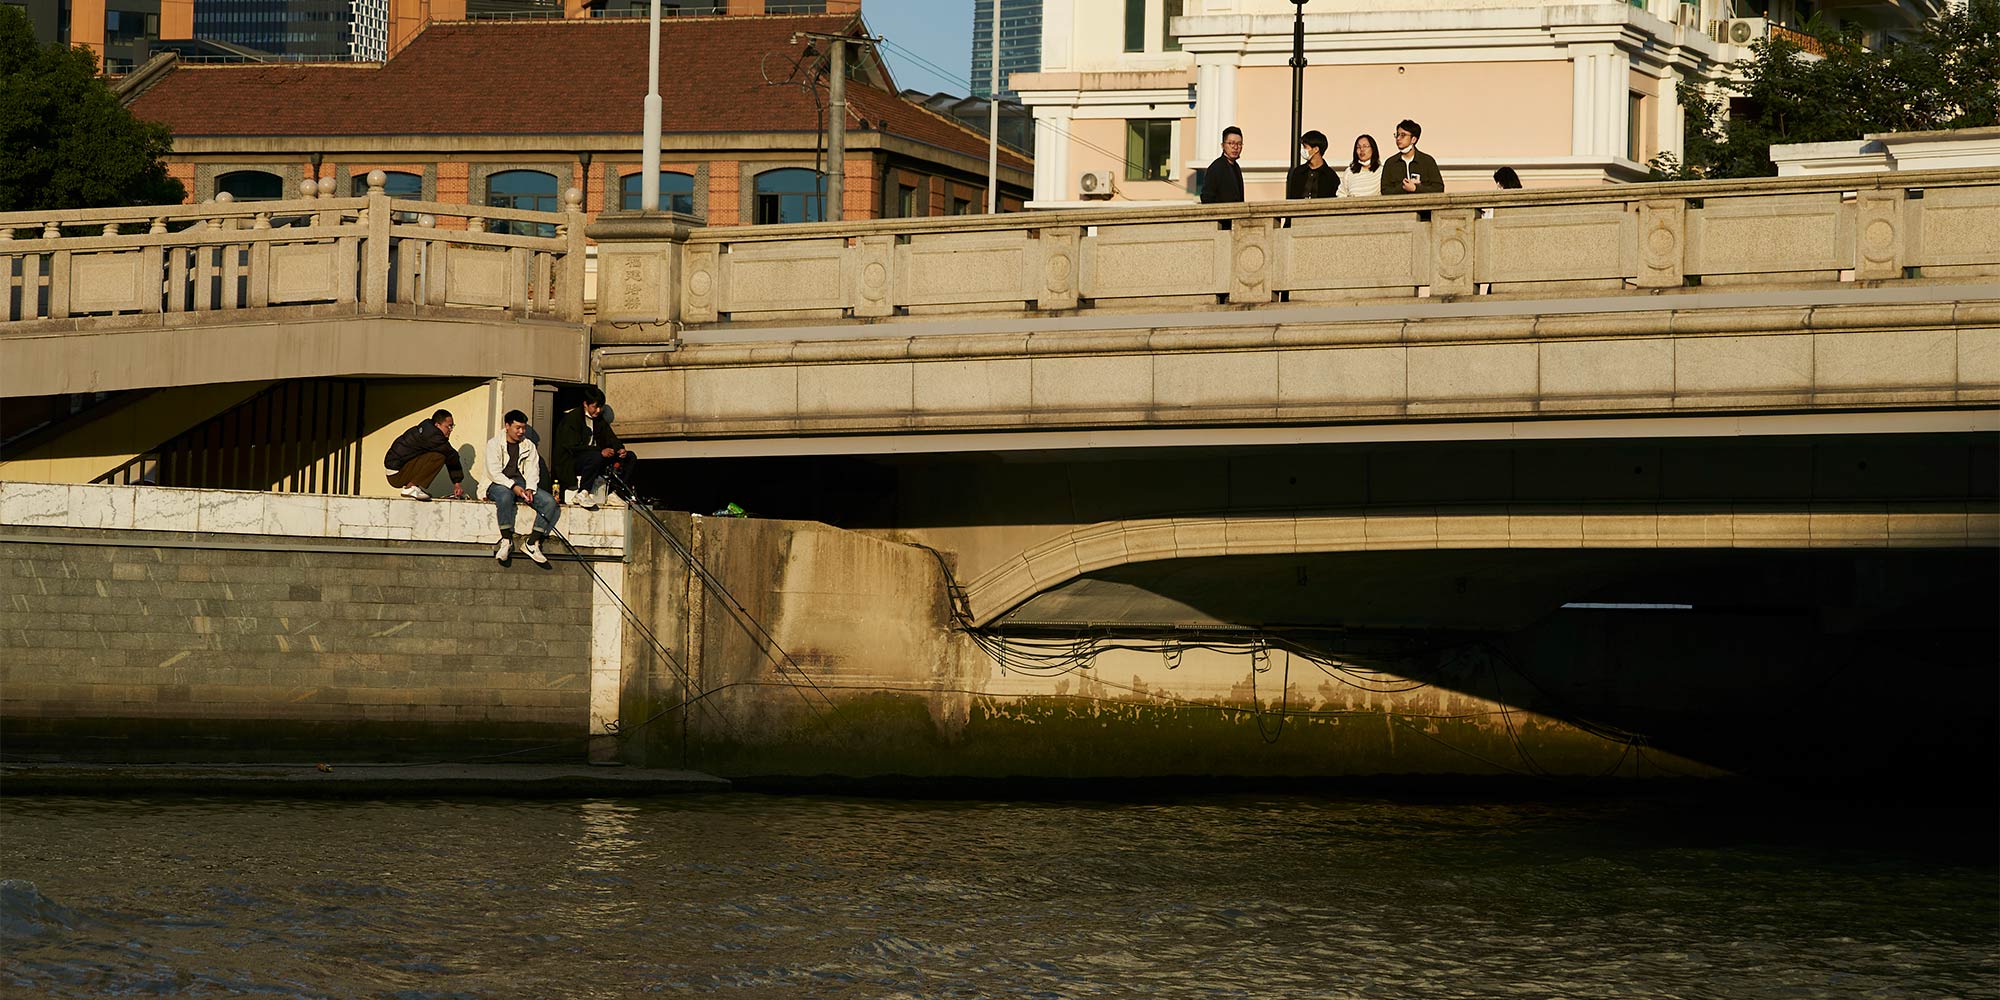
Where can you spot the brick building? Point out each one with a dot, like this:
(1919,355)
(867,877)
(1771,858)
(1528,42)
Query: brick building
(514,112)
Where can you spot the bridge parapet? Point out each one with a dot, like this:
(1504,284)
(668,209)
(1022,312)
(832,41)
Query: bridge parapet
(315,256)
(1641,238)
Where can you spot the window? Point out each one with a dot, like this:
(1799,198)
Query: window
(676,192)
(906,201)
(1170,42)
(529,190)
(1147,143)
(792,194)
(1635,132)
(961,206)
(250,185)
(395,184)
(1135,25)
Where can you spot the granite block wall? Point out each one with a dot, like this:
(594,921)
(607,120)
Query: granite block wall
(132,643)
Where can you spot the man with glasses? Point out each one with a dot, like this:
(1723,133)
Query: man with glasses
(1223,182)
(1411,171)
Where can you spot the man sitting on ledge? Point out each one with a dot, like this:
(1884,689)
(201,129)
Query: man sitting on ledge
(513,473)
(415,457)
(587,448)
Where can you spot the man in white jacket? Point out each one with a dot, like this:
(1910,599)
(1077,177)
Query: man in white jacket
(513,473)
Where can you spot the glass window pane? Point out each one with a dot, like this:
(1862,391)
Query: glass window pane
(791,194)
(529,190)
(1135,25)
(1169,41)
(251,185)
(676,192)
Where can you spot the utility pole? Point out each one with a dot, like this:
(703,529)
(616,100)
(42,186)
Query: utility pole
(836,116)
(1298,82)
(993,121)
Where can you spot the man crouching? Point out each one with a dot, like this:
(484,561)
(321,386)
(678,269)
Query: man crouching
(513,469)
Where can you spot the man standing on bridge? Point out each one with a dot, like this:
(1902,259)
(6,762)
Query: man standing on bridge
(1222,183)
(514,475)
(415,458)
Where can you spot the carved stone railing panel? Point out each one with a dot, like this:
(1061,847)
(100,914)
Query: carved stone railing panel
(968,270)
(1959,232)
(223,256)
(1801,235)
(1156,262)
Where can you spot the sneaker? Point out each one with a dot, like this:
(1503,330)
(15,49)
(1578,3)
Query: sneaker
(583,499)
(502,550)
(534,551)
(415,492)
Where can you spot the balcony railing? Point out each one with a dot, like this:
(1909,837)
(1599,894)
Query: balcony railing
(321,255)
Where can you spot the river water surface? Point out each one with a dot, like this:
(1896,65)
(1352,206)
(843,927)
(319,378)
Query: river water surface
(1209,896)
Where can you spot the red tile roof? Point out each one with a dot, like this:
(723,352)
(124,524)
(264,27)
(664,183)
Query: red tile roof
(565,77)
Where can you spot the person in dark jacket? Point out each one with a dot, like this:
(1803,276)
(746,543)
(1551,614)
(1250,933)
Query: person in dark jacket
(1223,181)
(587,449)
(1314,178)
(1411,171)
(415,458)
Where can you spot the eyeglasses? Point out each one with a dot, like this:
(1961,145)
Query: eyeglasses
(1400,134)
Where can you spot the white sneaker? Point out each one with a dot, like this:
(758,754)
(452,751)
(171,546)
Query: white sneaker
(583,499)
(534,551)
(501,550)
(415,492)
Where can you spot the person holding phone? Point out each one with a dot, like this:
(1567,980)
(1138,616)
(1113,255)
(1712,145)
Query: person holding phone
(1411,171)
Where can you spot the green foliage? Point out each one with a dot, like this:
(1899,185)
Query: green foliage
(1946,77)
(65,141)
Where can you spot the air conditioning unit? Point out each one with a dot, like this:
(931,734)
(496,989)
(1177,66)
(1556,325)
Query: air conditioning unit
(1744,30)
(1094,184)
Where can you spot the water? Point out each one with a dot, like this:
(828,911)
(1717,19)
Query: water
(750,895)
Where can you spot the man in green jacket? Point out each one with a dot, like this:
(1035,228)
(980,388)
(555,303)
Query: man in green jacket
(1411,171)
(588,450)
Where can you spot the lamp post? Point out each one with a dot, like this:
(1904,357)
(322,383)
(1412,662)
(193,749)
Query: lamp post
(1298,80)
(649,158)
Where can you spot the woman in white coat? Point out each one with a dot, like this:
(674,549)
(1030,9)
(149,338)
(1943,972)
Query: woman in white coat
(1363,177)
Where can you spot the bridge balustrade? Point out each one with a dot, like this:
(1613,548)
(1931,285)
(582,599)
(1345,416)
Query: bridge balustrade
(315,255)
(1639,238)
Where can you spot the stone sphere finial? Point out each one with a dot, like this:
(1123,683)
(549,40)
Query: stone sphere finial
(573,198)
(377,181)
(309,188)
(327,187)
(225,197)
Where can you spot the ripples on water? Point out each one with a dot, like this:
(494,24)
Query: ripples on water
(753,895)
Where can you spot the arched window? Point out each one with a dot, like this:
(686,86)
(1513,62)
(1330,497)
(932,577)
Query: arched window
(400,184)
(792,194)
(530,190)
(676,192)
(251,185)
(396,184)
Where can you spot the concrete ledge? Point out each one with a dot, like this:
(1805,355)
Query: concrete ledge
(231,512)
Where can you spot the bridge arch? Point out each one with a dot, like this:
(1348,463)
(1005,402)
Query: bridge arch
(1101,546)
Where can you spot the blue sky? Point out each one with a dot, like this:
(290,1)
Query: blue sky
(938,31)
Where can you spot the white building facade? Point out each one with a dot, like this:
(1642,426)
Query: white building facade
(1134,94)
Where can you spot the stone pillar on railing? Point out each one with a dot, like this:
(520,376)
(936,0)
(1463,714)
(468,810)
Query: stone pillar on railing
(1452,252)
(877,257)
(158,226)
(569,275)
(1662,243)
(375,253)
(639,279)
(1880,241)
(52,231)
(1250,261)
(1059,267)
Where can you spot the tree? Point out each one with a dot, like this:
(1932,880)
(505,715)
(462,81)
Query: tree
(65,140)
(1946,77)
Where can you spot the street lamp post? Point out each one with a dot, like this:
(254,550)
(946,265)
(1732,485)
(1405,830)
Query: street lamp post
(649,158)
(1298,81)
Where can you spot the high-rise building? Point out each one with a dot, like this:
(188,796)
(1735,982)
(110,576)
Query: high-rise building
(121,32)
(1020,43)
(298,29)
